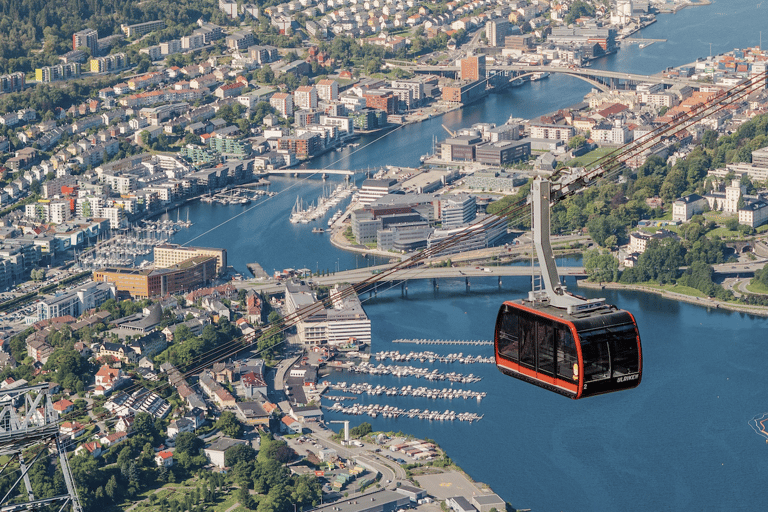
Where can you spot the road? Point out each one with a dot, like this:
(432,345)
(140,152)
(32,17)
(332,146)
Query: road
(390,470)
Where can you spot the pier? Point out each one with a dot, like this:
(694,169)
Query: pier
(410,371)
(388,411)
(443,342)
(419,392)
(431,357)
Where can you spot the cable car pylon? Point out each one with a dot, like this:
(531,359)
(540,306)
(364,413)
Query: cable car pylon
(38,424)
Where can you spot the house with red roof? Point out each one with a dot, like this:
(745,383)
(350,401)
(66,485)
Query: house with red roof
(93,449)
(164,458)
(63,406)
(290,425)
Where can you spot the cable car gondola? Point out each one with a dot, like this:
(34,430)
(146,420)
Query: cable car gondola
(574,346)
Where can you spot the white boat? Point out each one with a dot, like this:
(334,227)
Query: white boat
(539,76)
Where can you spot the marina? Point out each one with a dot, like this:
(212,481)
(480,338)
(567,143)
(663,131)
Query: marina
(304,214)
(238,195)
(360,388)
(388,411)
(443,342)
(411,371)
(132,247)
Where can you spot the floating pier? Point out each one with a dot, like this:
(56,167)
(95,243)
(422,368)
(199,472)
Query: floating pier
(410,371)
(388,411)
(357,388)
(431,357)
(443,342)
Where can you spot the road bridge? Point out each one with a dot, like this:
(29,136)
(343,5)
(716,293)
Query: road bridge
(606,79)
(292,171)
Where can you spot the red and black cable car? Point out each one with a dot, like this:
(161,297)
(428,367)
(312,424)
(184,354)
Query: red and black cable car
(576,355)
(574,346)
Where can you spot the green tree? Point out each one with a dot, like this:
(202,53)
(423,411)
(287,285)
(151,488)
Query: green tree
(239,453)
(229,424)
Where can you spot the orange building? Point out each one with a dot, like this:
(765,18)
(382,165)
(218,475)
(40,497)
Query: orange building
(159,282)
(473,68)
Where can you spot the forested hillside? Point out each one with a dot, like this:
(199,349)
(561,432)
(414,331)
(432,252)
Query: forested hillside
(34,32)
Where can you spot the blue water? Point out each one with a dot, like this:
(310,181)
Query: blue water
(680,441)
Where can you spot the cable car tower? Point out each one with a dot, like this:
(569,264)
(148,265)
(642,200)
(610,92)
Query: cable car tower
(38,424)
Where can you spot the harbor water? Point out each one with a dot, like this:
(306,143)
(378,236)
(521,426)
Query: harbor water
(680,441)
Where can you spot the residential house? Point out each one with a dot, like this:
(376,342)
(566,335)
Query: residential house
(164,459)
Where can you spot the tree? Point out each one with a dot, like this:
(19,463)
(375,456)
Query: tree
(189,443)
(143,425)
(239,453)
(361,430)
(229,424)
(576,142)
(601,266)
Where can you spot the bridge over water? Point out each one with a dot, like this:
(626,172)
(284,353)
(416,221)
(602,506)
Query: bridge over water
(599,78)
(294,170)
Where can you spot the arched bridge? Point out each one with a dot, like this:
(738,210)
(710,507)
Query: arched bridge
(602,79)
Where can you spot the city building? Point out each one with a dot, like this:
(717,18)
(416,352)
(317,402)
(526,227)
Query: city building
(345,322)
(87,38)
(328,90)
(473,68)
(75,302)
(168,255)
(496,31)
(283,103)
(688,206)
(305,97)
(160,282)
(139,29)
(373,189)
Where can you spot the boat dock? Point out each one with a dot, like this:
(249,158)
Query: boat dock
(388,411)
(410,371)
(443,342)
(431,357)
(257,271)
(419,392)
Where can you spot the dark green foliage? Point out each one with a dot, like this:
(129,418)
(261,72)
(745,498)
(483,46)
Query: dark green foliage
(660,262)
(601,266)
(27,26)
(577,10)
(362,429)
(239,453)
(229,424)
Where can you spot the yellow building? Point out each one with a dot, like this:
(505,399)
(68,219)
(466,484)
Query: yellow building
(170,254)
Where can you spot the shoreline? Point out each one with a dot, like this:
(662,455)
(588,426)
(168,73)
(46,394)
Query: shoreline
(699,301)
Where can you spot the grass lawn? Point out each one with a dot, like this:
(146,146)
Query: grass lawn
(683,290)
(589,158)
(757,287)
